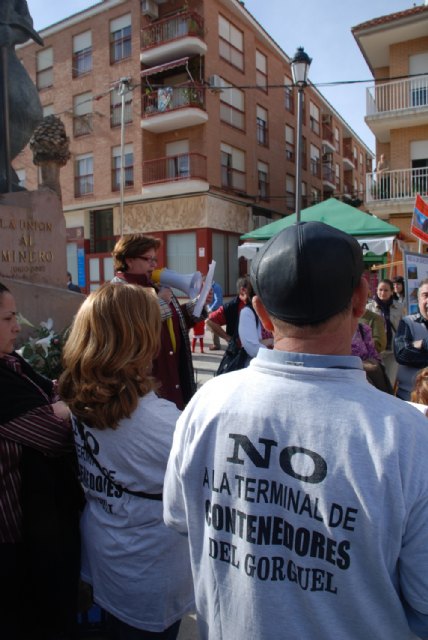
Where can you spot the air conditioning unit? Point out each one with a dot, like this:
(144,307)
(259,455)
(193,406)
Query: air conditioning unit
(326,118)
(149,8)
(215,83)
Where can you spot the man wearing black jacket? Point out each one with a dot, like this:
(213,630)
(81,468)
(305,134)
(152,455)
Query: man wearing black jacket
(228,314)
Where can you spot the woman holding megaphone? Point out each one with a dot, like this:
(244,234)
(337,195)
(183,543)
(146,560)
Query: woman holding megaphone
(135,262)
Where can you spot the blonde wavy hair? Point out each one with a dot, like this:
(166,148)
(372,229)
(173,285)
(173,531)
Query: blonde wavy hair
(108,355)
(420,389)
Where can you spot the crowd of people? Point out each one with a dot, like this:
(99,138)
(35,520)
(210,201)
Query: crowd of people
(285,500)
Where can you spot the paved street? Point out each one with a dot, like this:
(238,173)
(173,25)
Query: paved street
(206,364)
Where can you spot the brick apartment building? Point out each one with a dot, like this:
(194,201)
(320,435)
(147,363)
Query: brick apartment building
(395,47)
(207,132)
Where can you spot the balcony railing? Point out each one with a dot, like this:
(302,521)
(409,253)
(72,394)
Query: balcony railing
(82,125)
(396,185)
(180,26)
(169,99)
(348,152)
(348,187)
(327,133)
(315,168)
(398,95)
(185,166)
(328,173)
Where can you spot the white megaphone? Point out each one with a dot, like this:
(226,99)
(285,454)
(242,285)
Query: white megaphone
(189,283)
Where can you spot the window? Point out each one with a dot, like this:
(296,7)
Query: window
(305,202)
(178,163)
(361,161)
(232,105)
(314,118)
(304,153)
(337,176)
(355,153)
(84,175)
(116,108)
(120,38)
(44,67)
(181,252)
(290,192)
(262,126)
(290,152)
(232,168)
(289,95)
(315,162)
(261,71)
(48,110)
(315,195)
(82,114)
(82,54)
(231,43)
(128,166)
(101,232)
(418,65)
(337,139)
(263,180)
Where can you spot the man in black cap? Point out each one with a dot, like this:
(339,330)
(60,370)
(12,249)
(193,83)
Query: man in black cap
(303,489)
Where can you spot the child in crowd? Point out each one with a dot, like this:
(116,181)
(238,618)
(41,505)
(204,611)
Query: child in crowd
(198,334)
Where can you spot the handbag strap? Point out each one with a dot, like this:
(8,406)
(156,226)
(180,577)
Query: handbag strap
(139,494)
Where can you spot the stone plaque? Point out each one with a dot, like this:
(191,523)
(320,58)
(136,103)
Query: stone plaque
(33,237)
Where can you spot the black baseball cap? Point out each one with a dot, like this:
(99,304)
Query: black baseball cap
(307,273)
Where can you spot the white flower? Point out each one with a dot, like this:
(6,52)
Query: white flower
(23,321)
(48,324)
(45,343)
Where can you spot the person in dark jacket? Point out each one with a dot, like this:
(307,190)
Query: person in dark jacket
(39,499)
(135,259)
(228,314)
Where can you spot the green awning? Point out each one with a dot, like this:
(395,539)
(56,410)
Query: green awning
(333,212)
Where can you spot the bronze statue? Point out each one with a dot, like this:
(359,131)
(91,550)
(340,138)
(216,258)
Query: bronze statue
(20,108)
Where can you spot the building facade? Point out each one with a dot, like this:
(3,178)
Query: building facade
(182,124)
(395,47)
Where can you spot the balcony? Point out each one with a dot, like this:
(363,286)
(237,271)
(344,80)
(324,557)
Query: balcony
(175,175)
(171,108)
(349,160)
(399,185)
(348,188)
(173,37)
(315,168)
(328,137)
(396,105)
(328,176)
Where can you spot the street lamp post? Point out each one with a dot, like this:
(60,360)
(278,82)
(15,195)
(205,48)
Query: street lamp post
(299,68)
(123,88)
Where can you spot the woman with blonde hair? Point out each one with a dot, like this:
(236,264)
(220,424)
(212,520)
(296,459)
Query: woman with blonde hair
(139,569)
(420,389)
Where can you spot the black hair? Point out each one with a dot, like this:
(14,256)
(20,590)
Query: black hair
(3,289)
(244,282)
(399,280)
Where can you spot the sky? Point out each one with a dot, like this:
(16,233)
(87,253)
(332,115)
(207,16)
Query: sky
(322,28)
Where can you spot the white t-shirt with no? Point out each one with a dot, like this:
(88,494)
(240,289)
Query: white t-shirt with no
(139,569)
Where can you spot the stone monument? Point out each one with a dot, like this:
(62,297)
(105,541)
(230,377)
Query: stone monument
(32,224)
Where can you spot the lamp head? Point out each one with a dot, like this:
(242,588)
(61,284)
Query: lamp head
(300,67)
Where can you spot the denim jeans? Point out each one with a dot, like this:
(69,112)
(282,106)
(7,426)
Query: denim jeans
(121,631)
